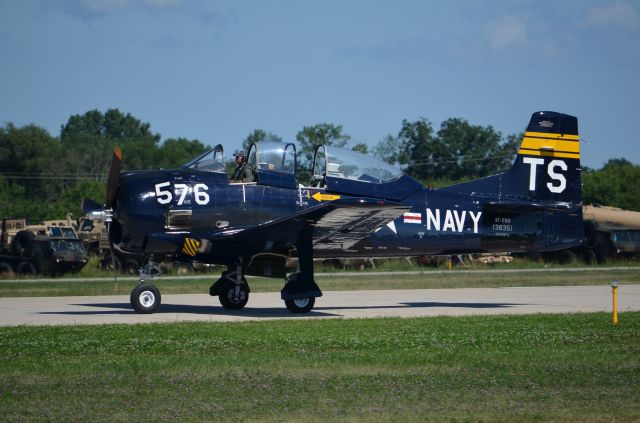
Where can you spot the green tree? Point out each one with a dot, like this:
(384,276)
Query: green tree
(258,135)
(388,149)
(469,151)
(361,147)
(312,136)
(418,147)
(90,139)
(616,184)
(458,151)
(29,161)
(175,152)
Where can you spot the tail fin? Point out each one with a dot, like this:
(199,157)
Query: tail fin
(548,163)
(547,167)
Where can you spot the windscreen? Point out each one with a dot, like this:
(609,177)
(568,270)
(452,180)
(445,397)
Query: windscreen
(211,161)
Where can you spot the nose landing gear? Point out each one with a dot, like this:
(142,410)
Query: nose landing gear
(145,297)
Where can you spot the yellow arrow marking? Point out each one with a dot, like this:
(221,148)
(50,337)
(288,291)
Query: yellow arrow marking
(324,197)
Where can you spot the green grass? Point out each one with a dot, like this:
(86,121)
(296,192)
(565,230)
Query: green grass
(574,367)
(455,279)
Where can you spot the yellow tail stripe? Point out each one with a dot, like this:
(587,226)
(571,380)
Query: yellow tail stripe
(552,136)
(551,145)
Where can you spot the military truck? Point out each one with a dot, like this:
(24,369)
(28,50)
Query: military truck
(48,248)
(92,230)
(611,232)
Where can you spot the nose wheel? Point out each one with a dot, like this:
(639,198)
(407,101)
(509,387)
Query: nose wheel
(145,297)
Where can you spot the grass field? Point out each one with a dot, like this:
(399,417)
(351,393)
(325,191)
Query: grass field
(574,367)
(361,280)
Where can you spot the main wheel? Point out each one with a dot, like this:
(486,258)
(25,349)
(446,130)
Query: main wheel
(111,263)
(145,298)
(566,257)
(233,296)
(300,305)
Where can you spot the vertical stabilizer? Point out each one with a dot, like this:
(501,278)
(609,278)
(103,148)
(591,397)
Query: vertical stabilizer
(547,166)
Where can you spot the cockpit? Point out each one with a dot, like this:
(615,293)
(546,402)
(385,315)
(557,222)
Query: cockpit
(334,169)
(334,162)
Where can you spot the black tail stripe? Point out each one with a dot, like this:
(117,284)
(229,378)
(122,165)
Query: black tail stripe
(549,151)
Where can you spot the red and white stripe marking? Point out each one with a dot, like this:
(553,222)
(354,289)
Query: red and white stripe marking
(413,218)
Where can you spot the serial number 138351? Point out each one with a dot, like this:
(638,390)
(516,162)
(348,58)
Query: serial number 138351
(502,228)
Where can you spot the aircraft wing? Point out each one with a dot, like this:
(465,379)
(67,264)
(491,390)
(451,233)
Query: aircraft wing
(337,224)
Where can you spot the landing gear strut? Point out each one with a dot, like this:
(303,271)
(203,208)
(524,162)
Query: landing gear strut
(145,297)
(232,289)
(300,291)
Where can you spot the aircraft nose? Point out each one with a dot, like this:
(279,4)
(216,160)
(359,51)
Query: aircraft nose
(135,212)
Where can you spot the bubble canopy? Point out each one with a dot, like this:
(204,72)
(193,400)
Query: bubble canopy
(328,162)
(342,163)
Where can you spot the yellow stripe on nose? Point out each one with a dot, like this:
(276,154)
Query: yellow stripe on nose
(190,246)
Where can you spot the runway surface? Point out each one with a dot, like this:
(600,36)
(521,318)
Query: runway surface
(334,304)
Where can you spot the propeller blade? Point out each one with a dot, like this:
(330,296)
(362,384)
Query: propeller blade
(114,177)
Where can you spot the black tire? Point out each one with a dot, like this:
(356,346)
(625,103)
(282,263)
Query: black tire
(21,243)
(108,263)
(230,300)
(6,269)
(131,267)
(300,305)
(566,257)
(145,298)
(26,268)
(589,256)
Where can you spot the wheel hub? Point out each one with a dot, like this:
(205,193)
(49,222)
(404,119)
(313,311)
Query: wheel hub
(301,302)
(147,299)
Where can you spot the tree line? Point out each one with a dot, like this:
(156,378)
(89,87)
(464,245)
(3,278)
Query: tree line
(44,176)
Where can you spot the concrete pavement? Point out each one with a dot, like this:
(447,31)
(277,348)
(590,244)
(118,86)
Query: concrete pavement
(334,304)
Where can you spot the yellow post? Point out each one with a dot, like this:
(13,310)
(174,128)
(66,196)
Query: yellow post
(449,263)
(614,288)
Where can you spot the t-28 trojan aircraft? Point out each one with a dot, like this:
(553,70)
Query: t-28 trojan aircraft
(353,206)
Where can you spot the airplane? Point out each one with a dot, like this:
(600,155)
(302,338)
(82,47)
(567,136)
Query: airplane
(353,206)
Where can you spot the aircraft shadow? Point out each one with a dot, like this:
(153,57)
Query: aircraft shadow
(211,310)
(125,309)
(426,304)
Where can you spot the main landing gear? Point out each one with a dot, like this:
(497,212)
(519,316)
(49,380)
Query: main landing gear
(232,289)
(299,292)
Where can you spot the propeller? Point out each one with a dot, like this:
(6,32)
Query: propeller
(112,189)
(114,177)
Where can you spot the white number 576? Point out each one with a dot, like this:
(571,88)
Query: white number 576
(165,196)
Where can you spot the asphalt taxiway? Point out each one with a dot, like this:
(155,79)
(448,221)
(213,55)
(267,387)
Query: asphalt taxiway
(334,304)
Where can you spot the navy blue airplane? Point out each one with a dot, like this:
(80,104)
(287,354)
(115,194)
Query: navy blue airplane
(353,206)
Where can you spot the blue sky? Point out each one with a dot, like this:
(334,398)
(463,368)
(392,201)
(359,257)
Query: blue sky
(217,70)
